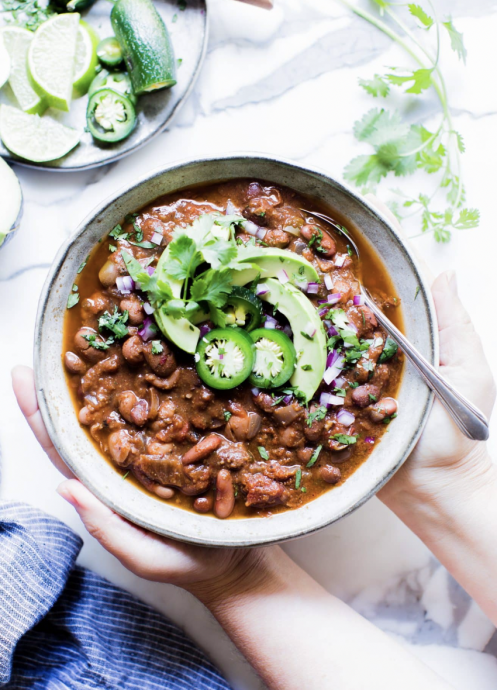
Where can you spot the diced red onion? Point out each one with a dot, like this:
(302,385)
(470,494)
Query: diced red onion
(310,330)
(148,308)
(327,399)
(338,383)
(261,289)
(204,328)
(328,281)
(333,371)
(255,391)
(292,230)
(149,330)
(312,288)
(270,322)
(332,358)
(125,284)
(287,399)
(230,208)
(288,331)
(334,298)
(323,312)
(332,331)
(358,300)
(150,270)
(322,301)
(261,233)
(339,260)
(221,356)
(282,276)
(157,238)
(352,327)
(369,439)
(377,342)
(302,285)
(250,228)
(345,417)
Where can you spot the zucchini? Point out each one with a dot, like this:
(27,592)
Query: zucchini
(147,48)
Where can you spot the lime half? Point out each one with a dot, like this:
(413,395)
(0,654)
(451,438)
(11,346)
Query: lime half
(37,139)
(86,59)
(51,58)
(4,63)
(17,42)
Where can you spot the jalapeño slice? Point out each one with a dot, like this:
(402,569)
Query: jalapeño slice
(224,357)
(110,115)
(243,309)
(275,358)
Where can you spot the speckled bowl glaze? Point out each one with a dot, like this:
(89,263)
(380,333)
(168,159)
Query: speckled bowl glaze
(142,508)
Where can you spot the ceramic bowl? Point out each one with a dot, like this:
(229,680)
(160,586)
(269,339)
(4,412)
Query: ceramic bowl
(142,508)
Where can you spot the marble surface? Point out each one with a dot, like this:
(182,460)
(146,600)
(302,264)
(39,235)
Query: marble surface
(285,82)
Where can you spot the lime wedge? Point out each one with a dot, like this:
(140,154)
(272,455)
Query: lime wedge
(37,139)
(17,42)
(4,63)
(86,59)
(51,58)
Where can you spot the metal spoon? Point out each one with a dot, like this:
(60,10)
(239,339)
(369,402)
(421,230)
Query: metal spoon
(468,418)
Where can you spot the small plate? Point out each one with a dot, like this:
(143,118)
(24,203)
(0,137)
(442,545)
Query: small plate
(188,29)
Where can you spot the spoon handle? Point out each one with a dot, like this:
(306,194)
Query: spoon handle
(468,418)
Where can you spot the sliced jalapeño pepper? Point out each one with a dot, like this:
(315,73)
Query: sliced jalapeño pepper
(275,358)
(110,116)
(109,52)
(224,357)
(117,81)
(243,309)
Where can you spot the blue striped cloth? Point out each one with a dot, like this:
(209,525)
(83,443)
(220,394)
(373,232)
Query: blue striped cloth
(62,626)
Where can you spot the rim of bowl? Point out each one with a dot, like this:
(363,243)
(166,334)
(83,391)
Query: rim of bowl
(183,164)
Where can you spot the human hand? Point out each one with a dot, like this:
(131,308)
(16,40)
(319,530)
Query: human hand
(443,456)
(207,573)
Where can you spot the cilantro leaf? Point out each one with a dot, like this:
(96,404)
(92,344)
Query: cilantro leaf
(98,344)
(420,78)
(377,86)
(263,452)
(72,300)
(456,40)
(219,252)
(184,258)
(316,416)
(213,286)
(314,456)
(157,289)
(420,14)
(116,323)
(345,439)
(468,218)
(157,347)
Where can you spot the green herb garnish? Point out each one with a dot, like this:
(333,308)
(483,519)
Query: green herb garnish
(116,322)
(314,456)
(157,347)
(298,477)
(345,439)
(263,452)
(72,300)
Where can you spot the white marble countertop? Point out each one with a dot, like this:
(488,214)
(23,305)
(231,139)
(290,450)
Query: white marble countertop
(285,82)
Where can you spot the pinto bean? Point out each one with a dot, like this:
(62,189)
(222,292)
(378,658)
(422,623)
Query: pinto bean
(125,402)
(74,364)
(203,504)
(330,474)
(365,395)
(162,364)
(119,446)
(93,375)
(108,274)
(323,241)
(84,347)
(133,350)
(165,492)
(385,407)
(167,410)
(277,238)
(203,448)
(313,432)
(139,413)
(94,305)
(134,307)
(177,430)
(265,402)
(287,414)
(164,384)
(243,426)
(225,494)
(84,416)
(291,437)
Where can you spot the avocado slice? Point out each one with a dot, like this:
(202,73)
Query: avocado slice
(267,262)
(300,311)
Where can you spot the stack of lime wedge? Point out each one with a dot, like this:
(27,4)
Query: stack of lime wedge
(46,68)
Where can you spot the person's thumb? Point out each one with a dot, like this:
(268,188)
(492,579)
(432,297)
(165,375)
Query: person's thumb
(462,359)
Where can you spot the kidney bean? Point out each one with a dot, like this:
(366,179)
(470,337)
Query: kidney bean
(330,474)
(203,504)
(203,448)
(108,274)
(119,446)
(361,395)
(133,350)
(83,346)
(134,307)
(385,407)
(74,364)
(139,413)
(225,494)
(323,240)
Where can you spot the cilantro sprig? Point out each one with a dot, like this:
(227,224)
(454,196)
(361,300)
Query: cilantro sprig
(401,148)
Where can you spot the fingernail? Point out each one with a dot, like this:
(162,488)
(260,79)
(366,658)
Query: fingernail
(66,494)
(452,281)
